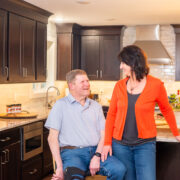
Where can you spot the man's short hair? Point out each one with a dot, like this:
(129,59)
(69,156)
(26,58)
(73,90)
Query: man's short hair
(70,76)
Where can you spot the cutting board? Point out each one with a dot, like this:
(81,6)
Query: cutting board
(21,115)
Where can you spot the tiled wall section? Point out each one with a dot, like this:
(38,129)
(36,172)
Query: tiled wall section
(167,37)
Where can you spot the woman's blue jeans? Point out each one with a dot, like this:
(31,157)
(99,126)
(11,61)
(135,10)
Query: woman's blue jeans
(81,157)
(140,160)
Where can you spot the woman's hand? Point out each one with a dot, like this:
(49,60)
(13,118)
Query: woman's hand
(106,150)
(178,138)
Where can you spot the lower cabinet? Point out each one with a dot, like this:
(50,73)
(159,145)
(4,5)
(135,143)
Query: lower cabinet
(32,169)
(10,162)
(168,161)
(47,157)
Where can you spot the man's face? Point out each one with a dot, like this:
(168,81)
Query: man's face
(80,86)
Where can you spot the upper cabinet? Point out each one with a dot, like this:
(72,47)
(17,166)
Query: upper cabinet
(41,49)
(3,46)
(90,56)
(68,49)
(177,66)
(23,32)
(99,57)
(99,52)
(94,49)
(21,49)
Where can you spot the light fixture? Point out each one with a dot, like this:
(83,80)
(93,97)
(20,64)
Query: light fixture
(58,19)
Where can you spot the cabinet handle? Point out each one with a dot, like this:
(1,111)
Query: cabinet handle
(6,139)
(4,158)
(7,71)
(100,73)
(24,72)
(7,156)
(97,72)
(33,172)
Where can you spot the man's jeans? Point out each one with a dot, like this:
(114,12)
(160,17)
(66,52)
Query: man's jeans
(81,157)
(140,160)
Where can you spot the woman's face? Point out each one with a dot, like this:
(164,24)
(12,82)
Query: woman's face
(126,69)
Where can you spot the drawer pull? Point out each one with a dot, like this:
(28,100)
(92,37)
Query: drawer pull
(6,139)
(33,172)
(7,155)
(3,162)
(97,73)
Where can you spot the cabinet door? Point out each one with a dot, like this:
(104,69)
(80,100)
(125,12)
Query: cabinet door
(21,49)
(167,161)
(10,162)
(177,57)
(76,51)
(47,156)
(68,54)
(3,46)
(109,63)
(41,54)
(28,50)
(32,169)
(64,58)
(90,56)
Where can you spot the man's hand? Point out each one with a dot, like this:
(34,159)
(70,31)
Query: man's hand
(58,175)
(106,150)
(94,165)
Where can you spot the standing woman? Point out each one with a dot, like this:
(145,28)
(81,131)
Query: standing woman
(130,132)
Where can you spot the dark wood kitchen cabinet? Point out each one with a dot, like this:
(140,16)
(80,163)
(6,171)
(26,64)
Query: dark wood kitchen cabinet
(99,56)
(47,156)
(68,49)
(21,49)
(100,46)
(41,49)
(10,155)
(177,54)
(168,160)
(3,46)
(90,56)
(23,33)
(32,169)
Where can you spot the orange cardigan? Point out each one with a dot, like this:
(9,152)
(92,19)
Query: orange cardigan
(154,92)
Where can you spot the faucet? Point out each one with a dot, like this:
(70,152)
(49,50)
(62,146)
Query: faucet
(48,105)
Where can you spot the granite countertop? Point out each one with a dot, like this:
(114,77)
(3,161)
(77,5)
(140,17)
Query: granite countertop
(164,134)
(12,123)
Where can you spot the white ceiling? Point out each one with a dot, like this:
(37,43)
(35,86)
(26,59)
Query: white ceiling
(113,12)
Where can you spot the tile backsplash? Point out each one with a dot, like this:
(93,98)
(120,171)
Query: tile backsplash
(167,36)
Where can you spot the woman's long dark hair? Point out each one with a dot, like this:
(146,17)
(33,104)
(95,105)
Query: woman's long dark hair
(136,58)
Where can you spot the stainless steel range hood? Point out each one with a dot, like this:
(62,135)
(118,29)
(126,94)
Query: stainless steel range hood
(147,38)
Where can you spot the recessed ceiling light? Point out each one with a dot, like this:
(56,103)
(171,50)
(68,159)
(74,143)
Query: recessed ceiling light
(83,2)
(58,19)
